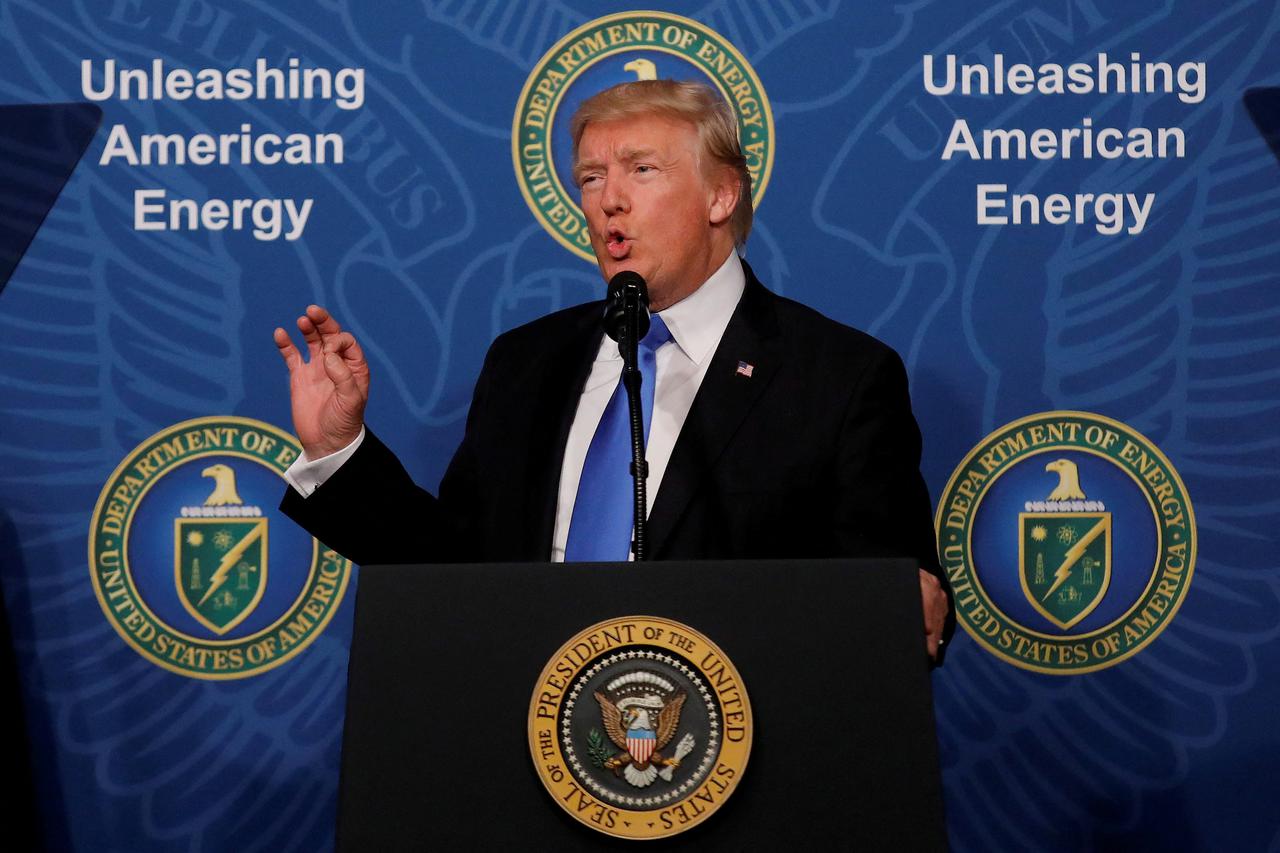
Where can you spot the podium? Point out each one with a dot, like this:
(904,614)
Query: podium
(445,659)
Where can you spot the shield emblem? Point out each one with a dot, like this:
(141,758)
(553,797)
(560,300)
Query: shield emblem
(220,568)
(640,744)
(1064,562)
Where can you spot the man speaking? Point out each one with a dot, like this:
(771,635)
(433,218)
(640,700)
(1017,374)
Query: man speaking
(772,431)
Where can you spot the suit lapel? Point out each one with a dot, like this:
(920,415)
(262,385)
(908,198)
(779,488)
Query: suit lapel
(556,403)
(722,402)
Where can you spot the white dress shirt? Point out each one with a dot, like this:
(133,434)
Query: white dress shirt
(697,323)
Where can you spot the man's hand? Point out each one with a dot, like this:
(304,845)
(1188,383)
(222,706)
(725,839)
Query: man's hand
(935,612)
(329,390)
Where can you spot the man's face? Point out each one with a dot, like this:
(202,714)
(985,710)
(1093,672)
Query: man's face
(649,206)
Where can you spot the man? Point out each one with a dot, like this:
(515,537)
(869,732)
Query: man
(775,432)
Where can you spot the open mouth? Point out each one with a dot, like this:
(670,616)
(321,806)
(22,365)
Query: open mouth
(617,243)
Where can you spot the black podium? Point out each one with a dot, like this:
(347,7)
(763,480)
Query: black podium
(445,658)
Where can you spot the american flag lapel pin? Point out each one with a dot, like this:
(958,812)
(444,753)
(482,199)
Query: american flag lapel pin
(745,369)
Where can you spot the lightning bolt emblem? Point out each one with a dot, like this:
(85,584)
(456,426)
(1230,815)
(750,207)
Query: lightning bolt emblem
(219,576)
(1074,553)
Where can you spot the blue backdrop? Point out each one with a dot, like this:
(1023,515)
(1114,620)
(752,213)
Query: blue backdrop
(422,243)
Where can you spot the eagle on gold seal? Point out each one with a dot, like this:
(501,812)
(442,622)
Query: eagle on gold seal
(641,723)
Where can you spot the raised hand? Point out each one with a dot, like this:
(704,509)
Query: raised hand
(328,390)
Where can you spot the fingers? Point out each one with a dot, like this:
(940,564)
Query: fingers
(310,334)
(316,324)
(338,350)
(323,320)
(934,602)
(344,346)
(324,334)
(289,352)
(344,381)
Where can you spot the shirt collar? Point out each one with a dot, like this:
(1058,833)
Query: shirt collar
(698,321)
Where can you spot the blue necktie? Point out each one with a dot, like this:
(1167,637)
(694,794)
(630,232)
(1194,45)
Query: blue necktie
(604,511)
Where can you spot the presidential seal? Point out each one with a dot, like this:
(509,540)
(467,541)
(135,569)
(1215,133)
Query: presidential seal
(192,564)
(602,53)
(1069,541)
(640,727)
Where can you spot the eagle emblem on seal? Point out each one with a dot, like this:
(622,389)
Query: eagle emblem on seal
(641,714)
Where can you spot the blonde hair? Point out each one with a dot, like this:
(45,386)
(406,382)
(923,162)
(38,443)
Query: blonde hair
(695,103)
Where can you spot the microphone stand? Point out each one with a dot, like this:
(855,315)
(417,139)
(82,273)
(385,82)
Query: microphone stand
(629,290)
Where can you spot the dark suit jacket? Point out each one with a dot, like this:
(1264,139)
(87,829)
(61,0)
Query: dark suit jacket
(816,454)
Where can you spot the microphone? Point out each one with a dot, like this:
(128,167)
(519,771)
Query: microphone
(628,297)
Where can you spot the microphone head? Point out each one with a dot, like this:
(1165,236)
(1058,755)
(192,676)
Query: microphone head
(627,292)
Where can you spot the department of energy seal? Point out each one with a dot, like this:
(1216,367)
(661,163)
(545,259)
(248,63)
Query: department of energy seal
(640,727)
(179,555)
(1069,541)
(614,49)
